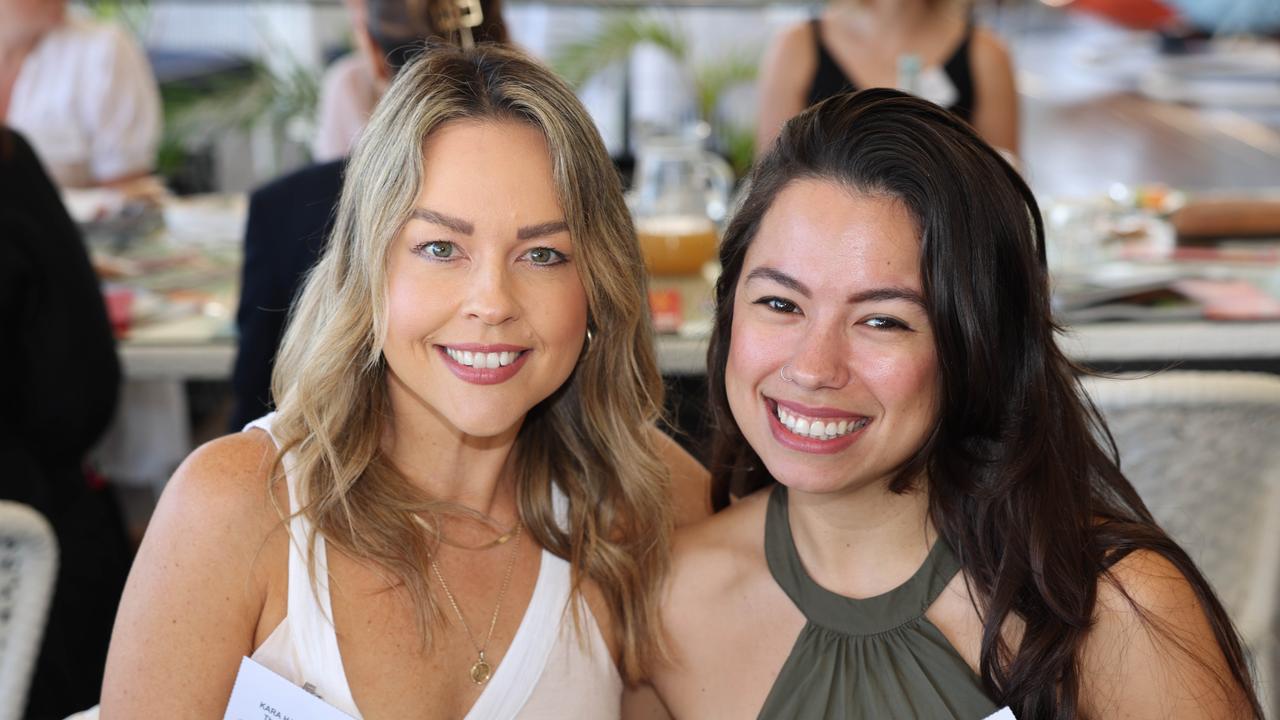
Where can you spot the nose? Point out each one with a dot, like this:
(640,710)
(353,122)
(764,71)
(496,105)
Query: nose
(821,357)
(489,294)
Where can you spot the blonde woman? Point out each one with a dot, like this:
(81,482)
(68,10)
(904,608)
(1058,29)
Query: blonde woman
(461,507)
(931,45)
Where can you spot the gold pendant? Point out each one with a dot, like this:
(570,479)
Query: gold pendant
(481,672)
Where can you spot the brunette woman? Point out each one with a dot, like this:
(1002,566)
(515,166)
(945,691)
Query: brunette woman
(932,521)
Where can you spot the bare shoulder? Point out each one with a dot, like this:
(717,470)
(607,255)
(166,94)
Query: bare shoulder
(1151,651)
(212,554)
(711,557)
(989,52)
(792,50)
(226,479)
(690,481)
(786,70)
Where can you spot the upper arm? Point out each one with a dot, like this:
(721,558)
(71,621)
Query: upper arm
(1151,652)
(690,481)
(995,115)
(785,73)
(197,587)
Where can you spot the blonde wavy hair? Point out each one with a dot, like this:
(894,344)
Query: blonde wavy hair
(593,438)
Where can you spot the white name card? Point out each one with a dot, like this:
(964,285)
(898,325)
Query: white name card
(260,694)
(1003,713)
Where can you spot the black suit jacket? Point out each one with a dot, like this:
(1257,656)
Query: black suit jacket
(288,226)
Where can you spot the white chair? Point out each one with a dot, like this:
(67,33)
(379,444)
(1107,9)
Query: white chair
(28,565)
(1203,451)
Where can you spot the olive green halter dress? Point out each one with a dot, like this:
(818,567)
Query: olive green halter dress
(879,657)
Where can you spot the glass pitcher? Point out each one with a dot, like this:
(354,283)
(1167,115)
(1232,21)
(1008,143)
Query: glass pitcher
(679,195)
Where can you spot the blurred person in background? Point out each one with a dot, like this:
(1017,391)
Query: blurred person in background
(61,380)
(81,91)
(931,48)
(354,82)
(290,218)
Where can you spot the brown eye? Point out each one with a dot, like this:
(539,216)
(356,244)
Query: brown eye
(881,322)
(778,305)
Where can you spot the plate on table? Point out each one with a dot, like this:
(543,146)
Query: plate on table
(211,218)
(1229,75)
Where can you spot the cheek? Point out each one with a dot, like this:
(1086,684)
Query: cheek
(412,311)
(752,356)
(910,378)
(559,312)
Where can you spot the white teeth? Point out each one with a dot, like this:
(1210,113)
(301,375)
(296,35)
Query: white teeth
(483,360)
(819,429)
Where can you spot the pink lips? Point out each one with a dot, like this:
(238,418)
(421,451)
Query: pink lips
(788,439)
(484,376)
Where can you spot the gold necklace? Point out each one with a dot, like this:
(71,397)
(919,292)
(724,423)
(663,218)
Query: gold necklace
(481,671)
(500,540)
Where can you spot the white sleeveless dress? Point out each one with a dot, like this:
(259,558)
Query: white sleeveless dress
(549,671)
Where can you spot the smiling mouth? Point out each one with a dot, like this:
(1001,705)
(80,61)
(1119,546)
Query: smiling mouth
(482,360)
(825,428)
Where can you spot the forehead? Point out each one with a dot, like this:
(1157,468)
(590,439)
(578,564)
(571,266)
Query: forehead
(488,147)
(834,238)
(488,163)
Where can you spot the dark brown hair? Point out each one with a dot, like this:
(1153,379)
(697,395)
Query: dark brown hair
(1024,478)
(402,28)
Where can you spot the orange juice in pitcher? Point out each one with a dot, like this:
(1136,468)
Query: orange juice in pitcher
(676,244)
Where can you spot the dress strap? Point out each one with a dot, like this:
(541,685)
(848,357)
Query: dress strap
(866,616)
(310,607)
(828,77)
(959,70)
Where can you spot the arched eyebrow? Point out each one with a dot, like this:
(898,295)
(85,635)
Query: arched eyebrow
(459,225)
(767,273)
(887,293)
(872,295)
(542,230)
(455,224)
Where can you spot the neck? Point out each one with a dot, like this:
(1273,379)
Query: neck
(448,465)
(863,543)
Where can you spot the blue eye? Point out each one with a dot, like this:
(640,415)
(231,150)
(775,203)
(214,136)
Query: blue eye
(438,249)
(779,305)
(881,322)
(546,256)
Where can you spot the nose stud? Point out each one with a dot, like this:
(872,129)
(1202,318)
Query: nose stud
(782,373)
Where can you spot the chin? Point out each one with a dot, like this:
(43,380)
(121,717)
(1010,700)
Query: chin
(486,425)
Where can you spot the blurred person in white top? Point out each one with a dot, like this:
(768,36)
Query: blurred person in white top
(384,33)
(81,91)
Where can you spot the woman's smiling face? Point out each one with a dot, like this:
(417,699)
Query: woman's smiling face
(832,371)
(486,314)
